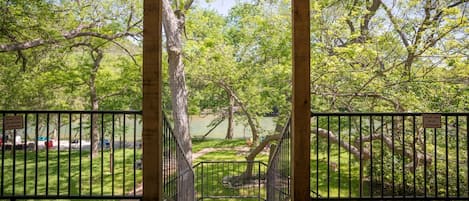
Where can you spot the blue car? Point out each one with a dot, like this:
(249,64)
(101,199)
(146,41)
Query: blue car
(41,138)
(105,143)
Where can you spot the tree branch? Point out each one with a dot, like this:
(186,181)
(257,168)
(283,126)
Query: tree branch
(39,41)
(75,33)
(364,28)
(395,103)
(334,139)
(403,37)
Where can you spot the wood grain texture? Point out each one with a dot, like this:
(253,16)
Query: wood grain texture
(301,101)
(152,110)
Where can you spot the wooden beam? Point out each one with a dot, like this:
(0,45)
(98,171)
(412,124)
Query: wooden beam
(152,110)
(301,101)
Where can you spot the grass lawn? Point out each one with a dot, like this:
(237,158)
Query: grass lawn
(72,174)
(198,144)
(213,173)
(324,184)
(86,175)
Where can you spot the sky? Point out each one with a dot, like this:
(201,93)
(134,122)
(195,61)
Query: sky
(221,6)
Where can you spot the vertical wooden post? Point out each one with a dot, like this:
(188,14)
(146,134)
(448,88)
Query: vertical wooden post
(301,101)
(152,110)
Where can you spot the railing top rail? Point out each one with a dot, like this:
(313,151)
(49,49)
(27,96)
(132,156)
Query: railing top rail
(73,111)
(244,161)
(73,197)
(312,113)
(387,113)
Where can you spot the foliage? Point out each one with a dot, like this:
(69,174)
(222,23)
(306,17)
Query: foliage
(392,61)
(46,68)
(366,56)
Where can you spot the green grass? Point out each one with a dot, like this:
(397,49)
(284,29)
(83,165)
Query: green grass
(349,182)
(84,180)
(382,167)
(198,144)
(214,173)
(210,182)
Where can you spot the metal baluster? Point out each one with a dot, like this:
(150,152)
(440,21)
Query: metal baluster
(467,152)
(69,151)
(457,157)
(404,186)
(328,156)
(338,145)
(392,154)
(135,151)
(414,156)
(123,159)
(436,161)
(25,153)
(102,154)
(91,150)
(14,162)
(47,153)
(382,156)
(80,153)
(349,158)
(425,162)
(317,156)
(112,152)
(361,152)
(3,155)
(371,156)
(58,154)
(446,152)
(37,150)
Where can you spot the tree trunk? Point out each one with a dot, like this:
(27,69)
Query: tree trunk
(94,101)
(252,124)
(215,125)
(229,132)
(173,27)
(252,155)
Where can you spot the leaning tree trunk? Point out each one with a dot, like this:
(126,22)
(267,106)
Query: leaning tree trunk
(173,26)
(229,132)
(251,122)
(247,174)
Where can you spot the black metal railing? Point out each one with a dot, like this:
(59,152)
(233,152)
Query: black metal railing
(278,173)
(224,180)
(390,156)
(70,154)
(178,175)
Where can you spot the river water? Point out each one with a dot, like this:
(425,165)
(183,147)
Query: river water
(198,127)
(199,123)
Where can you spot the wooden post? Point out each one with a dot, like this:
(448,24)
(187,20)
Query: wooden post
(301,101)
(152,110)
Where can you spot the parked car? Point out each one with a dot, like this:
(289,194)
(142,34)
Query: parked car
(105,144)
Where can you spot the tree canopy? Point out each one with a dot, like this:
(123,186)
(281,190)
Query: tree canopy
(367,56)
